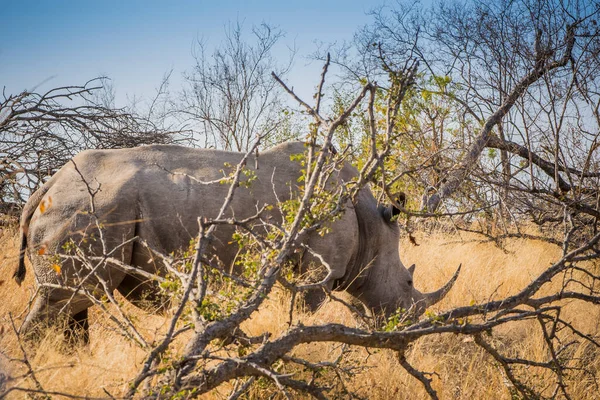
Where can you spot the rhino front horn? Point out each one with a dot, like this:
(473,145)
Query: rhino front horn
(434,297)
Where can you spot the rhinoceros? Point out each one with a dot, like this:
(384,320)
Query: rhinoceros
(156,193)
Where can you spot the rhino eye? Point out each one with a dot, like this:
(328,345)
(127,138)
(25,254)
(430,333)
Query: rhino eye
(409,283)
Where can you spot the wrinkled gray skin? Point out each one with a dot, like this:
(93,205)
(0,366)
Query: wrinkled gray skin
(149,192)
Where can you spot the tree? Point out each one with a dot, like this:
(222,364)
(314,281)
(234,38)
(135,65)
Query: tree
(511,72)
(229,98)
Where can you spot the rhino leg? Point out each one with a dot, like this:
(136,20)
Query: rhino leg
(67,307)
(46,311)
(327,262)
(143,294)
(141,291)
(78,329)
(312,269)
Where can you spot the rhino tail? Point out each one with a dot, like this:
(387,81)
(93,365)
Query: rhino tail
(20,271)
(32,204)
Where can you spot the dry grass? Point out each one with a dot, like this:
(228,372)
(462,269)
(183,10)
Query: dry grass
(462,370)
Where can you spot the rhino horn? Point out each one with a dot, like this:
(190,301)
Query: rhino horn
(434,297)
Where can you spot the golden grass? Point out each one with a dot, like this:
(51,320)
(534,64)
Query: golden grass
(462,369)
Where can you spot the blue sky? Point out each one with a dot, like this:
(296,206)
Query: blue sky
(50,43)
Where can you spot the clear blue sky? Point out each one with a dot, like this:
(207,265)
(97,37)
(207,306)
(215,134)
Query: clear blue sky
(135,42)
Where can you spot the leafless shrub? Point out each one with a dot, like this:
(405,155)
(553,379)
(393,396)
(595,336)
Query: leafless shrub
(42,131)
(229,97)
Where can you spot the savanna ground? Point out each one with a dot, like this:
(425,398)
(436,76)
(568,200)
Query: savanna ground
(461,370)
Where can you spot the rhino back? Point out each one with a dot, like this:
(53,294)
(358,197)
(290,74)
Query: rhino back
(158,192)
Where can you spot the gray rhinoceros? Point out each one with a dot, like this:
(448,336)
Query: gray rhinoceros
(155,193)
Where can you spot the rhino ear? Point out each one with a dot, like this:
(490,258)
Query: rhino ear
(401,199)
(411,270)
(391,211)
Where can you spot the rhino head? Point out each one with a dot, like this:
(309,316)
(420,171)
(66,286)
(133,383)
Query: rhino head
(385,285)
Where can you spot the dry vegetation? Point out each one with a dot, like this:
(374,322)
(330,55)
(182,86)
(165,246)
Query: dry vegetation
(432,110)
(462,369)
